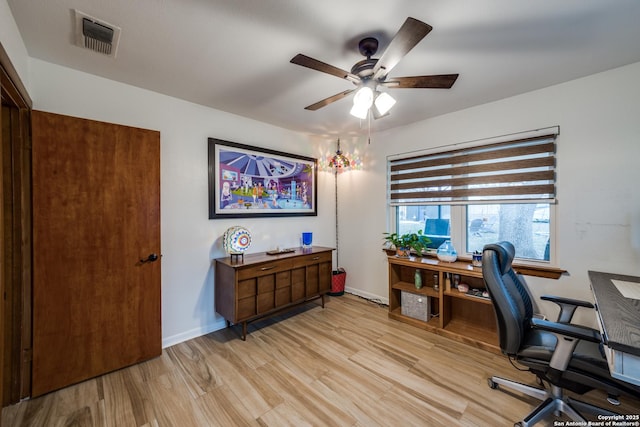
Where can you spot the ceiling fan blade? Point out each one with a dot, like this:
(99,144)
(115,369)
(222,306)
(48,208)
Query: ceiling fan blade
(314,64)
(442,81)
(409,35)
(329,100)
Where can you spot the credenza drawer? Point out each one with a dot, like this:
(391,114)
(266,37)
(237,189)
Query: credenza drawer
(283,296)
(266,302)
(264,268)
(246,308)
(312,259)
(246,288)
(266,284)
(283,279)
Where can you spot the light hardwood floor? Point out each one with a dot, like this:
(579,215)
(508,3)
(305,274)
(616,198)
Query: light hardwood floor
(344,365)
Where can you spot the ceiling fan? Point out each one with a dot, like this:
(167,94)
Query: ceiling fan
(371,73)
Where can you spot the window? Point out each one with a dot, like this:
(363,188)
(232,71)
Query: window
(525,225)
(434,221)
(480,194)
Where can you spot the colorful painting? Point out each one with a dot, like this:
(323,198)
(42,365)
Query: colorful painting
(246,181)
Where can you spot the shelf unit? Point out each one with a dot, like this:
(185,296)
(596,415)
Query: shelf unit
(454,314)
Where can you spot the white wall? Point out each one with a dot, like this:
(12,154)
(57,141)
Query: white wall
(12,43)
(189,239)
(598,175)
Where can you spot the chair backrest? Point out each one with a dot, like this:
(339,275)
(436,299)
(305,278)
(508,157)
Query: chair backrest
(510,298)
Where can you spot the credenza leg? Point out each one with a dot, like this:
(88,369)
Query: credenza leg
(322,300)
(228,323)
(244,331)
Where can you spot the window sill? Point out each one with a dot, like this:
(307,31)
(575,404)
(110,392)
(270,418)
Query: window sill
(524,269)
(539,271)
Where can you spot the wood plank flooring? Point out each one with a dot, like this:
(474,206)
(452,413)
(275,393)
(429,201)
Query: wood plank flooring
(344,365)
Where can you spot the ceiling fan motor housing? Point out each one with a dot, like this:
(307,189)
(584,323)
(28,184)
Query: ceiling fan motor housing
(364,68)
(367,47)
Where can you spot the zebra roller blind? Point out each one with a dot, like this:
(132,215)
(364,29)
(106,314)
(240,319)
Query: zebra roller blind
(515,171)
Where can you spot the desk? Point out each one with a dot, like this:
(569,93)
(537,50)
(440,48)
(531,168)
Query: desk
(619,321)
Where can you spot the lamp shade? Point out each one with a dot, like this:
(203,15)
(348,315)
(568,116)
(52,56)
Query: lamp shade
(363,98)
(384,102)
(359,112)
(339,161)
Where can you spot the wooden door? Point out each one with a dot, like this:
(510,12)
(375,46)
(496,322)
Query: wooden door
(96,215)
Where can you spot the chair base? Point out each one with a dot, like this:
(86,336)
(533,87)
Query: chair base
(553,403)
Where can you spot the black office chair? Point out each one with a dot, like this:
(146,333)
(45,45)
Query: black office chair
(566,356)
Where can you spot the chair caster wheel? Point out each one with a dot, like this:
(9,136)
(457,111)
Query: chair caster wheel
(518,424)
(613,400)
(492,384)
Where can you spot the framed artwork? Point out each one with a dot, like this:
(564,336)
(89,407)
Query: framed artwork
(246,181)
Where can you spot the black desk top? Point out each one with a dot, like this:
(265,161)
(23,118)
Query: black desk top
(620,316)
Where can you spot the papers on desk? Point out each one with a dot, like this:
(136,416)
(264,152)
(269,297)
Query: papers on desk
(628,289)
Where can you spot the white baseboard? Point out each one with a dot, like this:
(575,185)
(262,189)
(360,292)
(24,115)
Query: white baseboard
(367,295)
(193,333)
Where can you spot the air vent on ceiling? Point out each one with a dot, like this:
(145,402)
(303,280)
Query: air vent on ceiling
(96,35)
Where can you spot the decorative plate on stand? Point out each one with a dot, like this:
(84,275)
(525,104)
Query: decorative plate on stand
(236,240)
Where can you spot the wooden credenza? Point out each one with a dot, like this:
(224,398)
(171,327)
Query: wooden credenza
(258,285)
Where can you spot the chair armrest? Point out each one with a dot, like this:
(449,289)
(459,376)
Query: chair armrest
(568,330)
(567,306)
(563,300)
(568,337)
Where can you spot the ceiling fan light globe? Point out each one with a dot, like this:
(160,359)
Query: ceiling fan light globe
(359,112)
(363,98)
(384,102)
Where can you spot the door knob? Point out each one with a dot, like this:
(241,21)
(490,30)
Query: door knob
(150,258)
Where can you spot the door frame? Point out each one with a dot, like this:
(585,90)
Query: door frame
(15,264)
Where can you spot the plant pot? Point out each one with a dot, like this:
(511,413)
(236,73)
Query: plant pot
(403,252)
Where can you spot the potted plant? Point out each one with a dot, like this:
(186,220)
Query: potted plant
(404,243)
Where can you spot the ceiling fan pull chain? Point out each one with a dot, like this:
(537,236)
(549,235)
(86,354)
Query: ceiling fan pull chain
(369,136)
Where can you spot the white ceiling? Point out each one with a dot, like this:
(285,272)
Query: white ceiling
(233,55)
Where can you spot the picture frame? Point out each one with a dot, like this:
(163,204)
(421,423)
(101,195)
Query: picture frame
(247,181)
